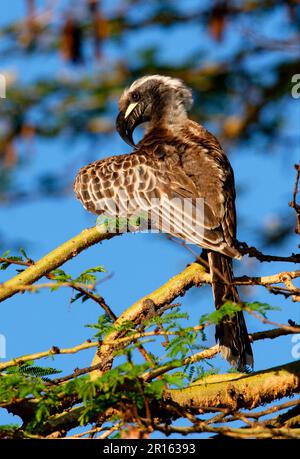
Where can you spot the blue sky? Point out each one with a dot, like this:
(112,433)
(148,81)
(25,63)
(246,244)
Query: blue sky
(140,262)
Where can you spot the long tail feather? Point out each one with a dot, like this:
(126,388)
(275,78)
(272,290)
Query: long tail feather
(231,332)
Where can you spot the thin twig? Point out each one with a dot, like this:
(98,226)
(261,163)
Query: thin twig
(211,352)
(267,280)
(272,409)
(262,319)
(88,432)
(294,204)
(53,351)
(76,285)
(98,299)
(246,432)
(108,432)
(253,252)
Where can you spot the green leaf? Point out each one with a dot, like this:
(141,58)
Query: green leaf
(85,298)
(262,308)
(14,258)
(104,326)
(175,379)
(228,309)
(29,369)
(77,297)
(88,276)
(96,269)
(4,266)
(42,412)
(155,388)
(10,428)
(22,251)
(88,391)
(61,276)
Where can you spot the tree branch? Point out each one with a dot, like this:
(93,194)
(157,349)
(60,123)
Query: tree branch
(293,203)
(254,253)
(53,351)
(258,432)
(227,392)
(146,308)
(211,352)
(267,280)
(54,259)
(238,391)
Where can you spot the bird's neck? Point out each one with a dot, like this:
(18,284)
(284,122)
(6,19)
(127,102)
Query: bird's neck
(171,117)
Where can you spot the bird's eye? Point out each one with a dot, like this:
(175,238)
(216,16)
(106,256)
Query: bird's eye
(135,96)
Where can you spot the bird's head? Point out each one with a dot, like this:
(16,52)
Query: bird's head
(157,99)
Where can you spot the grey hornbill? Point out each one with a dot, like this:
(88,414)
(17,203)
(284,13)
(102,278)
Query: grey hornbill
(176,158)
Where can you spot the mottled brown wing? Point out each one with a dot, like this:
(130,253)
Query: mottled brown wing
(127,184)
(118,185)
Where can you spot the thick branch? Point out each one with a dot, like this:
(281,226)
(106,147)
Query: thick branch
(216,392)
(238,391)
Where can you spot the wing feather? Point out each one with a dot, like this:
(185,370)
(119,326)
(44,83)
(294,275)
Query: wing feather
(123,185)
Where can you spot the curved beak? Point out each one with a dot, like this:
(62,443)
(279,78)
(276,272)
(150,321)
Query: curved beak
(128,121)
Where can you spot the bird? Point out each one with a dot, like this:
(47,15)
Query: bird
(177,161)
